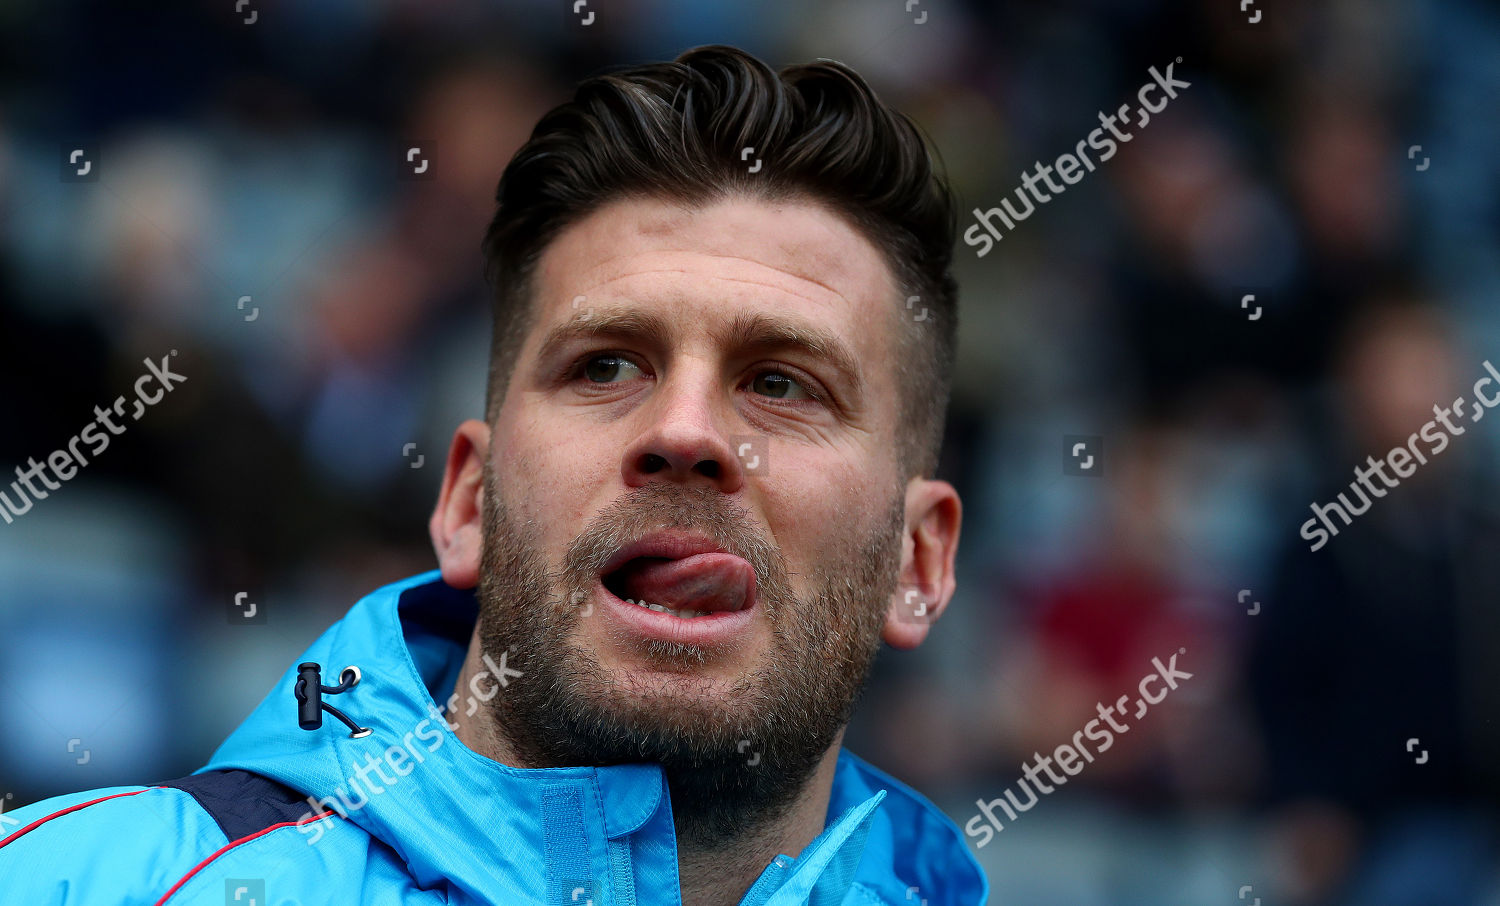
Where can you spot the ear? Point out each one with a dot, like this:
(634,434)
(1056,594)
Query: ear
(457,522)
(928,549)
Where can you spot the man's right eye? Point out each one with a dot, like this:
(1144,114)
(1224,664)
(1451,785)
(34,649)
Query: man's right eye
(603,369)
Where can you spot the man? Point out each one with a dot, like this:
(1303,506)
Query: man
(700,498)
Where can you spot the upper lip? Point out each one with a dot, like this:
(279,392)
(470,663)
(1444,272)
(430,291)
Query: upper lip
(668,545)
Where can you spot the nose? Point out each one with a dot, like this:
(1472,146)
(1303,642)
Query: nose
(682,440)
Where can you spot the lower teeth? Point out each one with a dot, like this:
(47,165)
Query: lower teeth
(684,614)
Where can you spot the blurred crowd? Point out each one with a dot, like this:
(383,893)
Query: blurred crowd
(1281,274)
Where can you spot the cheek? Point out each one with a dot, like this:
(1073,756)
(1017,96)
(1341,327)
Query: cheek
(521,482)
(818,517)
(527,460)
(550,481)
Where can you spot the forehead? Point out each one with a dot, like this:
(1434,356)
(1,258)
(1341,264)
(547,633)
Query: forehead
(790,254)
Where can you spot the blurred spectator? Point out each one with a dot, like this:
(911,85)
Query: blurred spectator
(1374,674)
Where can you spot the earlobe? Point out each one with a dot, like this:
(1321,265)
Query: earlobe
(927,579)
(457,522)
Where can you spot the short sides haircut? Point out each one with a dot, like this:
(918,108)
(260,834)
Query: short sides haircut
(677,131)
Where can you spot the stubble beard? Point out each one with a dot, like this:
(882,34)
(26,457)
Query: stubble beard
(736,760)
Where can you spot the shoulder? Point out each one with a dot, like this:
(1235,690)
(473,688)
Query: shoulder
(170,843)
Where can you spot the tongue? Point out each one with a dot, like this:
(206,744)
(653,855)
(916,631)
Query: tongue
(718,582)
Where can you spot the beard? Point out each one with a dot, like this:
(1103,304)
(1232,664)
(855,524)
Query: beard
(735,760)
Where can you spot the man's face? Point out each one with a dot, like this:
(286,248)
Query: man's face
(610,433)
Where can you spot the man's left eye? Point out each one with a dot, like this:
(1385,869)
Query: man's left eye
(779,386)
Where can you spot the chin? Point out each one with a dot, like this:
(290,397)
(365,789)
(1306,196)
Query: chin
(696,689)
(675,665)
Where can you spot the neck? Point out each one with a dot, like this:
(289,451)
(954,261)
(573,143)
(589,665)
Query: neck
(720,877)
(709,877)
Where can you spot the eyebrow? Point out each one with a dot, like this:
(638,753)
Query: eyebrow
(751,332)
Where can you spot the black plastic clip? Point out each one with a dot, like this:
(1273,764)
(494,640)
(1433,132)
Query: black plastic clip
(310,691)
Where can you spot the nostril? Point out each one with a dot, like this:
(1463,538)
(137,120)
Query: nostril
(653,462)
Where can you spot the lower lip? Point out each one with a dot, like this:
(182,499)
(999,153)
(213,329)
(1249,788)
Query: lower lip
(711,628)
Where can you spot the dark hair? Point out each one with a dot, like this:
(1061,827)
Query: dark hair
(676,131)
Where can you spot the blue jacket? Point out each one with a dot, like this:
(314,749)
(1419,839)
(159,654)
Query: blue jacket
(409,815)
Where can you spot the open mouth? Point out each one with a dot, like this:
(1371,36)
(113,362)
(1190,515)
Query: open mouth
(615,582)
(692,587)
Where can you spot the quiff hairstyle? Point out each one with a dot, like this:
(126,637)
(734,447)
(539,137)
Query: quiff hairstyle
(676,131)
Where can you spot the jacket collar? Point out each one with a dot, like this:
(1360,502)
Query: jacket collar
(412,784)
